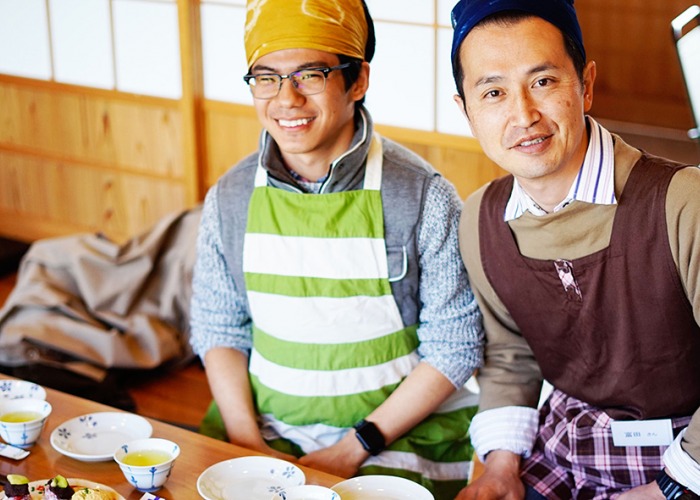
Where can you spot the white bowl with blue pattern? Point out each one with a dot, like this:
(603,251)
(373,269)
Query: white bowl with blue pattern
(93,437)
(249,478)
(22,420)
(149,477)
(381,487)
(20,389)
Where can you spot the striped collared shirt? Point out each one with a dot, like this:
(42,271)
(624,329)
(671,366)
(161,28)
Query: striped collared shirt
(595,182)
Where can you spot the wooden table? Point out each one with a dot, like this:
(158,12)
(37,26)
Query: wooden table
(197,452)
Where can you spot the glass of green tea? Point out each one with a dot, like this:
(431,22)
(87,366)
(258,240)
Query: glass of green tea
(147,463)
(22,420)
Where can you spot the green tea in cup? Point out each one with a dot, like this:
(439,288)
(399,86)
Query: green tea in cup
(17,417)
(23,420)
(142,458)
(146,463)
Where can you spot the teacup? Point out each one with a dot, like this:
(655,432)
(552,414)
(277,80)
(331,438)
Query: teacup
(306,492)
(22,420)
(147,463)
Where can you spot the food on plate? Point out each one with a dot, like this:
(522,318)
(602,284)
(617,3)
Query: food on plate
(83,493)
(58,488)
(17,487)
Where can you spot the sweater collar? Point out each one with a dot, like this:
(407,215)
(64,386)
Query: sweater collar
(346,172)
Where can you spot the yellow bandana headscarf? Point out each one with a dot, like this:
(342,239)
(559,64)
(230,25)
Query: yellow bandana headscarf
(336,26)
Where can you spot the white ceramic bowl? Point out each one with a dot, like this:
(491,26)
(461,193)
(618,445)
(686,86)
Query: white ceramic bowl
(94,437)
(248,478)
(18,389)
(149,477)
(306,492)
(379,487)
(23,434)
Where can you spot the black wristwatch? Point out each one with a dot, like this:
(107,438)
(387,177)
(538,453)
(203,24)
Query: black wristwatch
(672,489)
(370,437)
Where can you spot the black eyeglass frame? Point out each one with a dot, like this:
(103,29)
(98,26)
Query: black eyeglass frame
(326,70)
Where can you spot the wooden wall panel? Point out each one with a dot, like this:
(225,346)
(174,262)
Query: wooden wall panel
(639,76)
(41,197)
(75,159)
(60,121)
(148,200)
(468,169)
(232,133)
(460,159)
(40,120)
(132,136)
(22,188)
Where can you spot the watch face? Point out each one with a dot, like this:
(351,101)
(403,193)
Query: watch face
(370,437)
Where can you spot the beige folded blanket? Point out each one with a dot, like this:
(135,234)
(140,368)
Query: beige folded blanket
(111,305)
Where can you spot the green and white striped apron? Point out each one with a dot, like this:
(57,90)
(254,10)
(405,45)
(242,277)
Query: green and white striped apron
(329,344)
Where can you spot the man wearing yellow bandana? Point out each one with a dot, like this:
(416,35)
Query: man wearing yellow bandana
(331,308)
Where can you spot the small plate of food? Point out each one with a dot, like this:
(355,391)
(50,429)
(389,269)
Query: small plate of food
(57,488)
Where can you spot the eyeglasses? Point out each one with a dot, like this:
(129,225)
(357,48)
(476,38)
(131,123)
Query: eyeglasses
(305,81)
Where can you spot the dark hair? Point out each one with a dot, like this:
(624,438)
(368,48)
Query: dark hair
(508,18)
(351,73)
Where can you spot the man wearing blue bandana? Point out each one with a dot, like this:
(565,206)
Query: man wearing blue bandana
(586,265)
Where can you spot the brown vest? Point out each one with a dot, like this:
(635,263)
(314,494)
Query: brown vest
(629,343)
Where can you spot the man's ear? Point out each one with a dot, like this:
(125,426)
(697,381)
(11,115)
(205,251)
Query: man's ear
(359,88)
(589,74)
(462,107)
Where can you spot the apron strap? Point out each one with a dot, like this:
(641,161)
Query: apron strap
(373,169)
(260,176)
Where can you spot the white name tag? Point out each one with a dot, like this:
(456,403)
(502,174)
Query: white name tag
(642,432)
(12,452)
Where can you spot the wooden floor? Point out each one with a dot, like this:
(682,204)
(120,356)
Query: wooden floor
(7,283)
(180,397)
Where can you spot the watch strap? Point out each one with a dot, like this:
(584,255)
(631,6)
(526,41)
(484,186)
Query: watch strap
(370,437)
(671,488)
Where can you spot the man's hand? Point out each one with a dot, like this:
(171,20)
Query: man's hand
(500,480)
(342,459)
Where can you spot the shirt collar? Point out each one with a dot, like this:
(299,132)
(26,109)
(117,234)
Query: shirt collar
(595,182)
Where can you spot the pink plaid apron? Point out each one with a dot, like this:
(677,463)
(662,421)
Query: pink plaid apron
(574,455)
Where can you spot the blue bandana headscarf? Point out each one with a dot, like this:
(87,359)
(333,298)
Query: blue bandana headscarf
(468,13)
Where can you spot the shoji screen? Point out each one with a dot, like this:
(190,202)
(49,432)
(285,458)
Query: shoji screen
(126,45)
(412,84)
(94,125)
